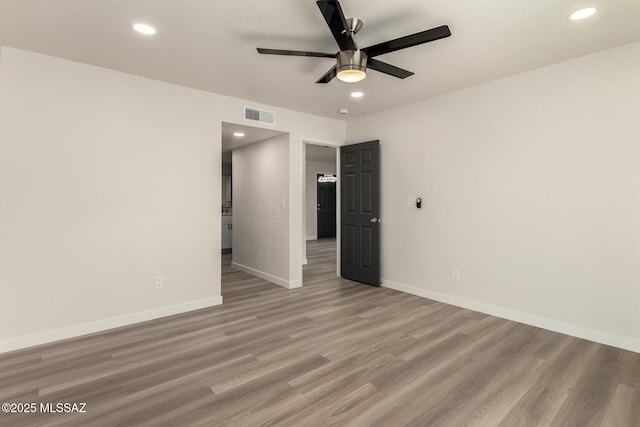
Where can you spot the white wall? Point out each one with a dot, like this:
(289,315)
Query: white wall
(531,187)
(105,183)
(107,179)
(261,209)
(313,168)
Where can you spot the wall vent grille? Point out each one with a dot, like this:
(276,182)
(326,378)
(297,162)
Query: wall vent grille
(261,116)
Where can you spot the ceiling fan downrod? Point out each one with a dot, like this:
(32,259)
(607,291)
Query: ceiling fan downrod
(354,25)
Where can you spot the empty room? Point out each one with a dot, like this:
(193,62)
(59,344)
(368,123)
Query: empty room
(320,213)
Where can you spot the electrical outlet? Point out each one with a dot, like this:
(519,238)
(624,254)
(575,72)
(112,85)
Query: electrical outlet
(159,281)
(455,273)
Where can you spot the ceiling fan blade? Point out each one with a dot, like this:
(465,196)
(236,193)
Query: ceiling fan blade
(329,75)
(332,13)
(392,70)
(295,53)
(408,41)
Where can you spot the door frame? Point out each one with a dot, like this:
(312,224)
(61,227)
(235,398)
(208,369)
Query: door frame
(303,198)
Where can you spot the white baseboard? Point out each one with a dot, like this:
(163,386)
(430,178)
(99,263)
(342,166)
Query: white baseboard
(602,337)
(266,276)
(104,324)
(293,284)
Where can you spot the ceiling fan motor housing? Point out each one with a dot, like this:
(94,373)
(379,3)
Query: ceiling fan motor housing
(352,65)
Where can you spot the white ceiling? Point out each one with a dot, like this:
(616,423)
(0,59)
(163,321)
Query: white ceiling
(251,135)
(210,44)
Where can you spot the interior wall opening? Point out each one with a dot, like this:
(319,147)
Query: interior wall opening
(243,238)
(320,211)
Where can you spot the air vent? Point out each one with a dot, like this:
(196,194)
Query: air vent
(262,116)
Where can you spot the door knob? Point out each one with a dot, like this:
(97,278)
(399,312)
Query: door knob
(374,220)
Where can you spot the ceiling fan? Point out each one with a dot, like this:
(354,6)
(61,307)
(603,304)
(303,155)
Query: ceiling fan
(352,62)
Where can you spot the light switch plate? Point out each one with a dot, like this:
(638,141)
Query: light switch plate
(411,201)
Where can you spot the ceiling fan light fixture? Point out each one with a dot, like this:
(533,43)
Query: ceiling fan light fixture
(351,76)
(352,66)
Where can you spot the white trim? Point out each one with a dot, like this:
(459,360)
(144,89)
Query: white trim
(104,324)
(602,337)
(268,277)
(305,261)
(297,249)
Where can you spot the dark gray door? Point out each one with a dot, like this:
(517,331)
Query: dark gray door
(326,207)
(360,210)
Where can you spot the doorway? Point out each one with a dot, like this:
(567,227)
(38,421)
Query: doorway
(320,211)
(326,216)
(254,165)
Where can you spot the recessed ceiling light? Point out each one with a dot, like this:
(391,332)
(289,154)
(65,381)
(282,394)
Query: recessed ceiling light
(583,13)
(343,111)
(238,134)
(357,94)
(144,29)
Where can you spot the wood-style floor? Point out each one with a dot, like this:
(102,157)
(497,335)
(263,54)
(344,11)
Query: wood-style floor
(333,353)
